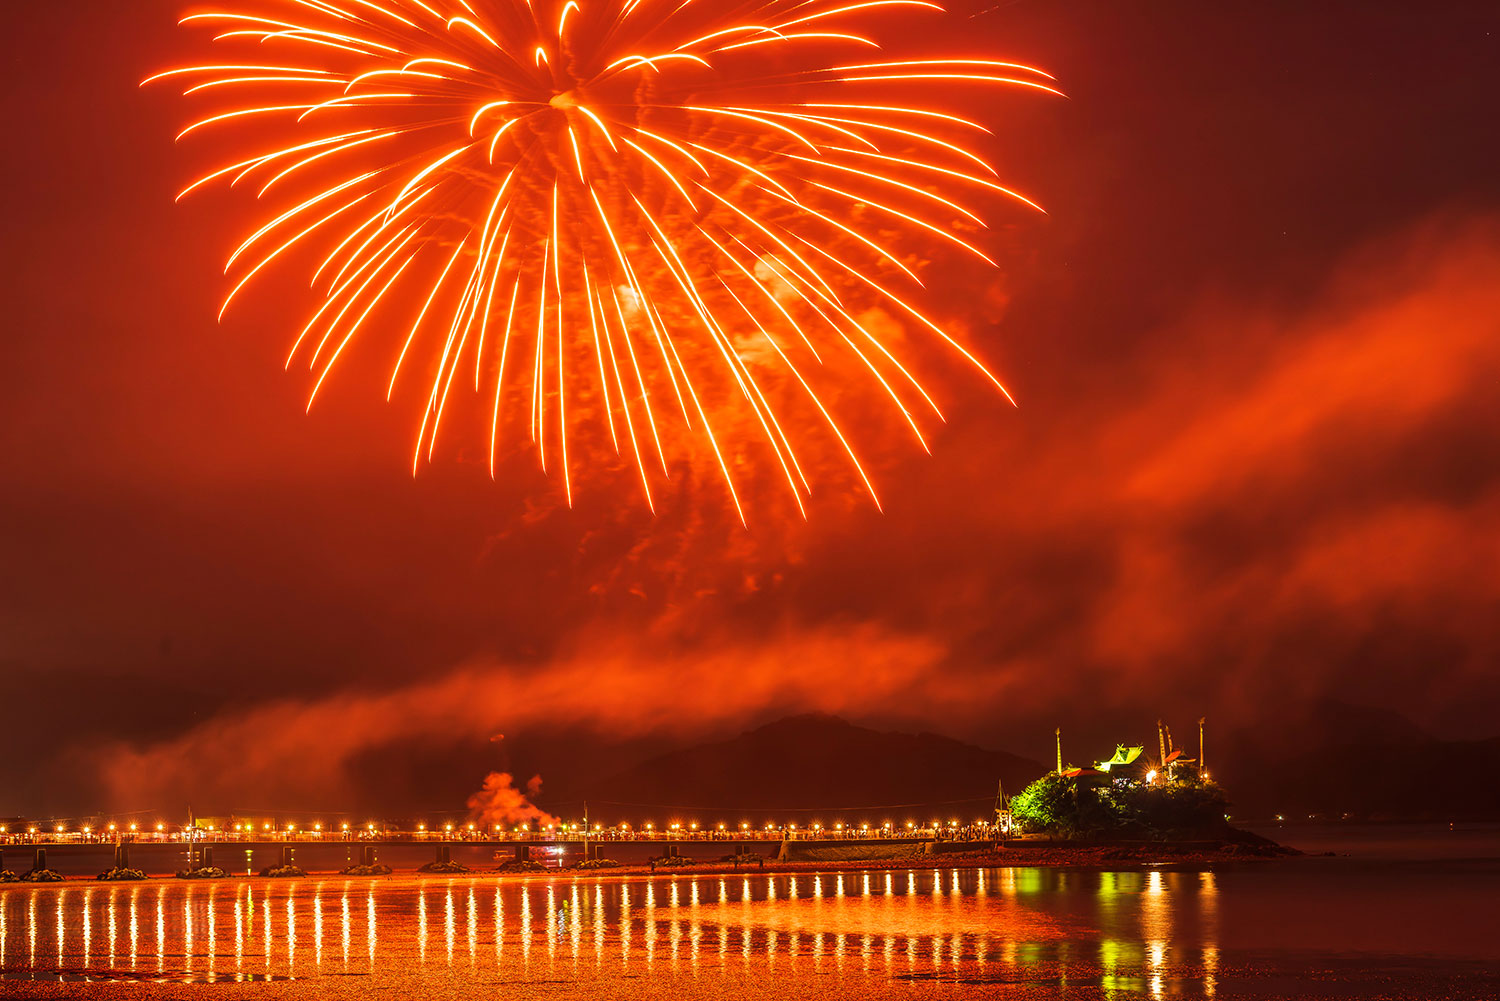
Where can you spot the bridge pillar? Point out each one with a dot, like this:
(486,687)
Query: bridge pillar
(122,855)
(444,852)
(672,850)
(523,852)
(206,857)
(288,855)
(41,860)
(366,854)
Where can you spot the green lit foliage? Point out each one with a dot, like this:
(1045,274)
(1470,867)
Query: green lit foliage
(1048,806)
(1063,807)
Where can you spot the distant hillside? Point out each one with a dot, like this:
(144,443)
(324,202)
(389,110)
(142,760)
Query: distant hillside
(826,767)
(1330,758)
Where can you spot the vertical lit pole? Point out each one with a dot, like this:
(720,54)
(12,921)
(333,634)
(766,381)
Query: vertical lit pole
(1202,765)
(1059,750)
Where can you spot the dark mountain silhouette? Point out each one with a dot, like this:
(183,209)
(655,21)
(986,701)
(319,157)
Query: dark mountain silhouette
(812,768)
(1330,759)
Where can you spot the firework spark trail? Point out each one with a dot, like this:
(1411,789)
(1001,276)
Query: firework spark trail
(694,182)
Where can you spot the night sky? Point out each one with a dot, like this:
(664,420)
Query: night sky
(1255,346)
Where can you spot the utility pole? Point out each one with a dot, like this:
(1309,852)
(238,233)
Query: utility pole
(1202,766)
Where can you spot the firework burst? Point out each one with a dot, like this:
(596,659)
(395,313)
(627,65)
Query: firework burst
(628,214)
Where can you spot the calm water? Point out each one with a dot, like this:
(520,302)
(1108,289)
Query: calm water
(1324,928)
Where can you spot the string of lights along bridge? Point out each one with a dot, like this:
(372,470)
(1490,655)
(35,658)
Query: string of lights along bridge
(231,831)
(634,231)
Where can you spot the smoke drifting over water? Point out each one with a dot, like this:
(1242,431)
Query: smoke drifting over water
(1277,502)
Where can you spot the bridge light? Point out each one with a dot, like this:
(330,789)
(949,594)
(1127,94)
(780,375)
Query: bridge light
(369,827)
(317,827)
(721,827)
(343,827)
(471,827)
(111,827)
(161,827)
(132,827)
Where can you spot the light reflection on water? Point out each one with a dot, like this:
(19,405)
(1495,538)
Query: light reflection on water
(1136,931)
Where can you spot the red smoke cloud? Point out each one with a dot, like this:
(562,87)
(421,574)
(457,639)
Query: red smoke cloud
(500,802)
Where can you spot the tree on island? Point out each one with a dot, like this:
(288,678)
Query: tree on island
(1072,806)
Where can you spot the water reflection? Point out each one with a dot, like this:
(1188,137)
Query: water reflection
(1133,932)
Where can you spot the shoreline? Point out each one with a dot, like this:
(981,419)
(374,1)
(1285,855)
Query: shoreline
(1051,855)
